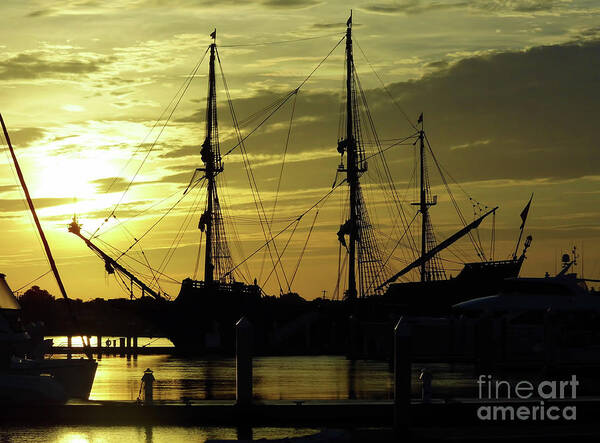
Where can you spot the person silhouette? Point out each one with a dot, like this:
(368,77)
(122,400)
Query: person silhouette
(147,385)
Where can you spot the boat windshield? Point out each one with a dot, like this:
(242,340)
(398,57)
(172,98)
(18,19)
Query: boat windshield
(535,287)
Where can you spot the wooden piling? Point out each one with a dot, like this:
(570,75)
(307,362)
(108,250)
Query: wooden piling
(550,340)
(243,361)
(353,335)
(402,377)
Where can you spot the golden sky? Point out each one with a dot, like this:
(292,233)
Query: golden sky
(509,89)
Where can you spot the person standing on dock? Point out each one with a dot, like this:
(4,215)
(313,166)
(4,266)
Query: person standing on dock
(147,386)
(426,378)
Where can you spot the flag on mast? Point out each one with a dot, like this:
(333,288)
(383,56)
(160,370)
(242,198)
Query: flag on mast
(349,21)
(525,212)
(420,120)
(213,34)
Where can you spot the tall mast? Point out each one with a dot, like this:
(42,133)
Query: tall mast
(38,225)
(34,213)
(212,165)
(365,262)
(430,269)
(423,202)
(208,158)
(351,165)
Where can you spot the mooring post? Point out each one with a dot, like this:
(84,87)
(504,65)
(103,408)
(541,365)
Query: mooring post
(99,345)
(402,377)
(353,334)
(550,342)
(485,341)
(505,339)
(243,361)
(451,340)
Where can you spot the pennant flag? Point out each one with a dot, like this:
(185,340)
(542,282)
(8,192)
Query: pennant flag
(420,118)
(213,34)
(525,212)
(349,22)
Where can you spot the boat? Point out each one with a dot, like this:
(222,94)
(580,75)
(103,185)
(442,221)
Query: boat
(73,377)
(564,293)
(534,321)
(201,317)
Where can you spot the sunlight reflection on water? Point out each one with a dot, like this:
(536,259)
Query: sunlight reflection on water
(131,434)
(275,378)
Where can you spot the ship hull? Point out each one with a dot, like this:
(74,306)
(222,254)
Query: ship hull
(202,318)
(476,280)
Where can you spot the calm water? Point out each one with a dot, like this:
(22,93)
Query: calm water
(275,378)
(177,378)
(131,434)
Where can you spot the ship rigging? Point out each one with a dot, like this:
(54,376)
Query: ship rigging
(360,243)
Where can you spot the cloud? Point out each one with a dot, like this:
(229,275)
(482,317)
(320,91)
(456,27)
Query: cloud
(8,188)
(470,145)
(44,8)
(592,33)
(535,109)
(125,210)
(338,25)
(501,115)
(25,137)
(49,63)
(182,151)
(116,184)
(290,4)
(411,6)
(527,6)
(111,184)
(520,7)
(16,205)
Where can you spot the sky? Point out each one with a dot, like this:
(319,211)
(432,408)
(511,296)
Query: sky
(509,90)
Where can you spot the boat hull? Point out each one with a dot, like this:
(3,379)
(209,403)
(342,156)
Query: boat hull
(75,376)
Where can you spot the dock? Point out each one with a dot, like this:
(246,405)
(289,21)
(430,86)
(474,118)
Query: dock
(440,420)
(114,350)
(444,413)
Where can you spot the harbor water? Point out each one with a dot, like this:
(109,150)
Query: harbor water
(138,434)
(187,379)
(275,378)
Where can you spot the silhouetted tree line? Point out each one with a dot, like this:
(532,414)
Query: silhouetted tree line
(99,316)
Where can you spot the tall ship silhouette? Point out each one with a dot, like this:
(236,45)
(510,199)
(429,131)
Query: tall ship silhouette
(201,317)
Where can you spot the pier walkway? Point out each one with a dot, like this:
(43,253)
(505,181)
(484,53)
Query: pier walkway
(450,420)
